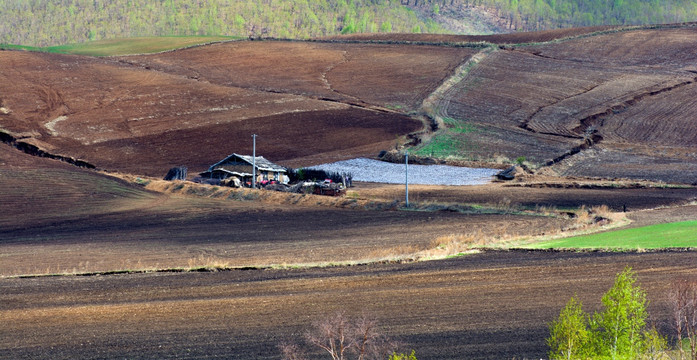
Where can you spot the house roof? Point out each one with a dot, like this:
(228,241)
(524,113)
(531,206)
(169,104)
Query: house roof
(233,173)
(260,162)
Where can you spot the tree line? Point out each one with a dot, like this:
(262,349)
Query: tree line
(57,22)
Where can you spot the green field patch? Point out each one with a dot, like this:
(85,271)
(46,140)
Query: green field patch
(128,46)
(458,126)
(443,145)
(448,142)
(671,235)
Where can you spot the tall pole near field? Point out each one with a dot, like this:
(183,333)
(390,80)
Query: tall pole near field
(406,175)
(254,161)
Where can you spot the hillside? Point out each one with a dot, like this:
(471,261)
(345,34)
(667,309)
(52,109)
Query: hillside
(534,15)
(601,102)
(49,23)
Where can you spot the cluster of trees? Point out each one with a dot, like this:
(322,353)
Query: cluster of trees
(57,22)
(531,15)
(620,330)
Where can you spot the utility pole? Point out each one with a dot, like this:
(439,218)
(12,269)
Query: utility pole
(254,161)
(406,175)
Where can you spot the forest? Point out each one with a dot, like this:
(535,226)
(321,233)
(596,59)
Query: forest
(56,22)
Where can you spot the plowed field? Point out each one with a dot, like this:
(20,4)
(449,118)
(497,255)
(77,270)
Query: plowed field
(398,77)
(494,305)
(624,92)
(603,102)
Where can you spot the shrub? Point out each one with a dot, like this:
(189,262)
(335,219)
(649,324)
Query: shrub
(683,298)
(403,356)
(340,336)
(303,174)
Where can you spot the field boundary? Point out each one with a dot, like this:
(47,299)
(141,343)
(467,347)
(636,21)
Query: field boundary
(34,150)
(346,264)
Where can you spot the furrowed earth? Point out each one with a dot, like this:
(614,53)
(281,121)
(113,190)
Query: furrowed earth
(115,263)
(493,305)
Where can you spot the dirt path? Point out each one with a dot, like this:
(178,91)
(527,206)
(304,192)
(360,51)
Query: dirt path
(436,104)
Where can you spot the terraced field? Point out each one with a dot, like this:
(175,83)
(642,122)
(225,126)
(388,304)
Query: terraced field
(627,101)
(612,104)
(397,77)
(561,99)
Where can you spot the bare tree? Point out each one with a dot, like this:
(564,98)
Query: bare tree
(291,352)
(333,334)
(683,297)
(342,337)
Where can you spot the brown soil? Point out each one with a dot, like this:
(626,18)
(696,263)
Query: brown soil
(513,196)
(64,219)
(312,103)
(586,116)
(121,117)
(603,104)
(80,221)
(494,305)
(398,77)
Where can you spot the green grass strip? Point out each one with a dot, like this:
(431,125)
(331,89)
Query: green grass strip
(129,46)
(671,235)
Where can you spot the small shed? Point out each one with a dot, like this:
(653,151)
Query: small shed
(240,166)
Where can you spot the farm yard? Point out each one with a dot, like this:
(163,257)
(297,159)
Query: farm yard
(114,262)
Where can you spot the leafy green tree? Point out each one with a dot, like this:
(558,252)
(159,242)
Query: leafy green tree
(618,329)
(618,332)
(569,334)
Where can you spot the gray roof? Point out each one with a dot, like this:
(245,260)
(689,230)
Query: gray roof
(260,162)
(233,173)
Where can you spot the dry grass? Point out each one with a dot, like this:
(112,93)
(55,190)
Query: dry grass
(591,220)
(503,235)
(208,263)
(200,263)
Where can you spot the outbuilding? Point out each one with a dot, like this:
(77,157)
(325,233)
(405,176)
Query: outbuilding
(240,167)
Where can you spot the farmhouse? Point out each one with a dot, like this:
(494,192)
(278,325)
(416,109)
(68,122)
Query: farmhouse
(237,168)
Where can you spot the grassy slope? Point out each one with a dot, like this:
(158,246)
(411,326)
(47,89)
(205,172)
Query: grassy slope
(671,235)
(114,47)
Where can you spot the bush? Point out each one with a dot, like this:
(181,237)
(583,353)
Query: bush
(303,174)
(339,337)
(403,356)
